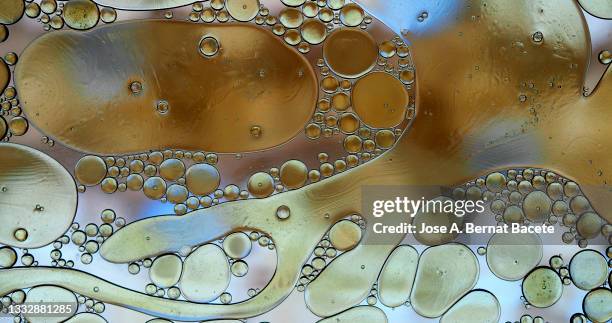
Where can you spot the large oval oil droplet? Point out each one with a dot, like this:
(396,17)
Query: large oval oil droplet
(368,314)
(86,318)
(396,278)
(339,53)
(510,256)
(542,287)
(345,235)
(272,77)
(166,270)
(380,100)
(242,10)
(588,269)
(477,306)
(50,294)
(445,273)
(206,274)
(38,197)
(11,11)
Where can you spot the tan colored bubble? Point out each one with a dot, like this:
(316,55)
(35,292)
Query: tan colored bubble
(171,169)
(596,305)
(340,54)
(293,174)
(348,123)
(351,15)
(380,100)
(108,15)
(90,170)
(134,182)
(176,193)
(18,126)
(81,14)
(209,46)
(242,10)
(261,185)
(476,306)
(597,8)
(537,206)
(542,287)
(202,179)
(589,225)
(369,314)
(580,204)
(439,218)
(445,273)
(352,144)
(588,269)
(37,189)
(237,245)
(260,60)
(510,256)
(166,270)
(50,294)
(11,11)
(291,18)
(345,235)
(496,182)
(385,138)
(8,257)
(313,31)
(206,274)
(154,188)
(397,276)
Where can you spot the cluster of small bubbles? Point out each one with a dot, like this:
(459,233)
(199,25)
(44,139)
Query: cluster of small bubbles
(422,16)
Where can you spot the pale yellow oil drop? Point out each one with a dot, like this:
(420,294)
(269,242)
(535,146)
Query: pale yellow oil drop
(510,256)
(596,305)
(351,15)
(50,294)
(588,269)
(242,10)
(237,245)
(476,306)
(202,179)
(397,276)
(166,270)
(345,235)
(206,274)
(542,287)
(261,185)
(18,126)
(369,314)
(293,174)
(90,170)
(291,18)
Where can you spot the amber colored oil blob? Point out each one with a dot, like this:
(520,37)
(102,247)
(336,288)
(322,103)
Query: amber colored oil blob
(380,100)
(81,91)
(340,52)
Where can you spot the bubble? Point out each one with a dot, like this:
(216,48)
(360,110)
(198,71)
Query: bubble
(237,245)
(313,131)
(370,314)
(4,33)
(589,225)
(339,52)
(510,260)
(154,188)
(202,179)
(283,212)
(596,305)
(605,57)
(162,107)
(397,276)
(166,270)
(313,31)
(588,269)
(176,193)
(80,14)
(50,294)
(310,9)
(537,206)
(496,182)
(109,185)
(476,306)
(571,189)
(345,235)
(108,15)
(387,49)
(242,10)
(348,123)
(542,287)
(385,138)
(206,274)
(351,15)
(291,18)
(380,100)
(209,46)
(292,37)
(8,257)
(90,170)
(537,37)
(11,11)
(239,268)
(293,174)
(18,126)
(438,219)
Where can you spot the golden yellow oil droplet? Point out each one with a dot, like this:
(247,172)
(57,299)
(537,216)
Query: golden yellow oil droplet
(32,10)
(11,11)
(542,287)
(134,182)
(90,170)
(345,235)
(605,57)
(380,100)
(206,266)
(255,131)
(335,4)
(487,304)
(313,131)
(208,15)
(172,169)
(202,179)
(20,234)
(154,188)
(293,174)
(589,225)
(407,76)
(3,128)
(385,138)
(314,31)
(176,193)
(48,6)
(231,192)
(18,126)
(4,33)
(351,15)
(242,10)
(340,54)
(57,22)
(261,185)
(109,185)
(387,49)
(237,245)
(348,123)
(5,75)
(81,14)
(283,212)
(536,206)
(108,15)
(352,144)
(291,18)
(166,270)
(293,3)
(340,101)
(329,84)
(209,46)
